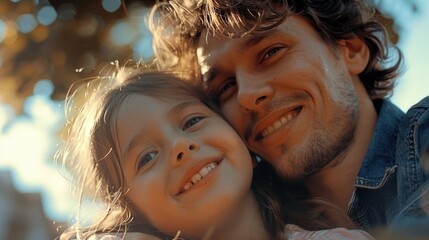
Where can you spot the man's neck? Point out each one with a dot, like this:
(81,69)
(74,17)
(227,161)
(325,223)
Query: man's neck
(335,182)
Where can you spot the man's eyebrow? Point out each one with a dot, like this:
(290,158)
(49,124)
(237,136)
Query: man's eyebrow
(250,42)
(246,43)
(255,38)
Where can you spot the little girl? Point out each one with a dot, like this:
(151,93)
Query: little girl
(154,148)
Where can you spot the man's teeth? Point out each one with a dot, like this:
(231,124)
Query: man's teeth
(200,175)
(279,123)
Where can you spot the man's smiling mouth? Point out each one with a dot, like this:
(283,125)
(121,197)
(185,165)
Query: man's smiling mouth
(283,120)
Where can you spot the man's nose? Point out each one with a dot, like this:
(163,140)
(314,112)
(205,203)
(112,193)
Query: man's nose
(182,150)
(253,90)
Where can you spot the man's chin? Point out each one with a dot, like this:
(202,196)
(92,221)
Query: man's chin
(288,173)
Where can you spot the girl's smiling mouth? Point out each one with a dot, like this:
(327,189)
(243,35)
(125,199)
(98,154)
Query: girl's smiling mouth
(199,176)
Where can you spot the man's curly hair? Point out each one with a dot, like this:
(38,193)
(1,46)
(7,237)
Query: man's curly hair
(177,27)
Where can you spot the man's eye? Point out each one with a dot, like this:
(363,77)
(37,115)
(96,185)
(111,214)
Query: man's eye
(271,52)
(225,90)
(190,122)
(146,158)
(225,87)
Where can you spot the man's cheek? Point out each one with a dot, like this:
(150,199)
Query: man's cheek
(237,122)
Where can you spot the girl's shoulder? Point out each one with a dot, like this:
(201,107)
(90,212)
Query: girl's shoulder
(294,232)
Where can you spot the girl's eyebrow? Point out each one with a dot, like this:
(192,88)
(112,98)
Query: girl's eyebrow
(183,105)
(133,143)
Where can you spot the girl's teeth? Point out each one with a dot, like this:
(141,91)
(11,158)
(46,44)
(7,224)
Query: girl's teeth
(204,171)
(188,185)
(198,176)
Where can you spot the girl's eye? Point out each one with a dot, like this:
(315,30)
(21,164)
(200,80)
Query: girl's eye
(191,122)
(146,158)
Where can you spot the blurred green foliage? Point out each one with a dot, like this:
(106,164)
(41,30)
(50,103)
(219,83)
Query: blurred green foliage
(70,48)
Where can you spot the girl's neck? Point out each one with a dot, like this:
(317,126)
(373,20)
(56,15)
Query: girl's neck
(244,223)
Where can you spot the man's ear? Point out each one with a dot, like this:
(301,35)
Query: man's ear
(355,54)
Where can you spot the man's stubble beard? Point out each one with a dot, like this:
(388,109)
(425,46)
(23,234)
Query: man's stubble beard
(322,146)
(320,150)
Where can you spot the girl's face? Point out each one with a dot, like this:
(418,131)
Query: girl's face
(185,167)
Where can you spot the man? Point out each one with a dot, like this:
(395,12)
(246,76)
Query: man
(304,83)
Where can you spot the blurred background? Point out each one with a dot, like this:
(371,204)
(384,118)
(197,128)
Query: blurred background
(46,45)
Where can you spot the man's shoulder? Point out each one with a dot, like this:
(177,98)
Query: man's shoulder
(392,170)
(417,119)
(415,122)
(422,105)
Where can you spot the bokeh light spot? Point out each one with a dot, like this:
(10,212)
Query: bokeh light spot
(121,33)
(6,115)
(47,15)
(44,87)
(26,23)
(143,49)
(3,29)
(111,5)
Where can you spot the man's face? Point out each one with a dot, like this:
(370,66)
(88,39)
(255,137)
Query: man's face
(287,93)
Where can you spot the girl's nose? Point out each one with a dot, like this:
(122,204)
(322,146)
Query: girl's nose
(182,149)
(180,155)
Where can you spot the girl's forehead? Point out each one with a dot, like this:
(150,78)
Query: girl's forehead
(157,102)
(173,95)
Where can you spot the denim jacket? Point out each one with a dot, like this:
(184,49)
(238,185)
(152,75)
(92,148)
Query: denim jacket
(392,169)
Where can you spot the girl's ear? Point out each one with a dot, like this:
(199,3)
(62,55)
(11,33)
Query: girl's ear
(355,54)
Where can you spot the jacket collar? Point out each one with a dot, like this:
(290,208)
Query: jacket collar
(379,160)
